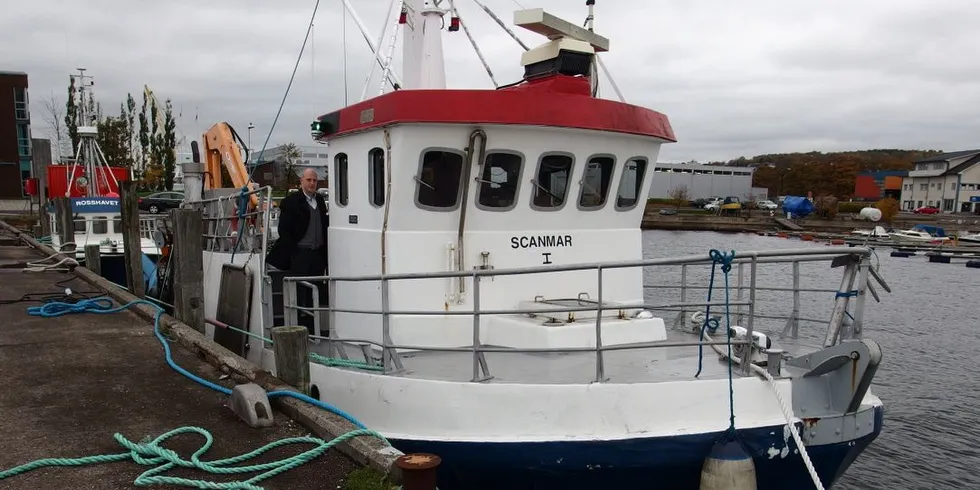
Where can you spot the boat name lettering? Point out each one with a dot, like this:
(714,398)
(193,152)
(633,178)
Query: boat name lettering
(97,202)
(541,241)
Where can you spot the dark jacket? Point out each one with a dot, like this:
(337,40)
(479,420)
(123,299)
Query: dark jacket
(294,217)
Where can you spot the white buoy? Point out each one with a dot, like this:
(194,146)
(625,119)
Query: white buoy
(728,467)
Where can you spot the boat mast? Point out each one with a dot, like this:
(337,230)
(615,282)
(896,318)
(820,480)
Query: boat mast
(423,66)
(89,154)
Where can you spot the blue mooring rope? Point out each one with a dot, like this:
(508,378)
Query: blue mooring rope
(711,324)
(103,305)
(242,206)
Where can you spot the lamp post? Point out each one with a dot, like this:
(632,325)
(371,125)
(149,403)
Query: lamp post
(250,128)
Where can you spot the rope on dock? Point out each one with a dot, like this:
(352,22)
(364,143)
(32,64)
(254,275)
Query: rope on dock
(153,453)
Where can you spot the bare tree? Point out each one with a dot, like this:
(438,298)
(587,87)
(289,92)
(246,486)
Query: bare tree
(679,195)
(53,114)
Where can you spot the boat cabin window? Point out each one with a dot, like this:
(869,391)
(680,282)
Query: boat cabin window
(79,223)
(376,176)
(551,182)
(100,225)
(595,182)
(630,184)
(438,182)
(117,224)
(340,174)
(500,180)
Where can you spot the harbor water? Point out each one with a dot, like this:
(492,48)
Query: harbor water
(926,328)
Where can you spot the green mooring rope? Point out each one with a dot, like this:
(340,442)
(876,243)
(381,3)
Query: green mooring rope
(317,358)
(152,453)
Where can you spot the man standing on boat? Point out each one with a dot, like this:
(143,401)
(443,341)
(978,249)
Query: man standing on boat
(301,248)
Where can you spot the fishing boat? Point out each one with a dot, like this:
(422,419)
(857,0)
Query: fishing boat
(91,187)
(488,299)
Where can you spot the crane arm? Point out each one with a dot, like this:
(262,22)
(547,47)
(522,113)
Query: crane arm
(220,148)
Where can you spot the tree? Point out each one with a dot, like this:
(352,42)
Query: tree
(54,116)
(112,140)
(289,160)
(144,141)
(889,209)
(168,146)
(679,195)
(71,117)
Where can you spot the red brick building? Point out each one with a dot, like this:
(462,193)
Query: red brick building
(15,134)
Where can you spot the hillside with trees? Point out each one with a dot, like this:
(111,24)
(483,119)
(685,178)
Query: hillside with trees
(824,174)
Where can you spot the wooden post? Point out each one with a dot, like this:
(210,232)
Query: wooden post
(93,259)
(132,246)
(292,349)
(66,223)
(188,253)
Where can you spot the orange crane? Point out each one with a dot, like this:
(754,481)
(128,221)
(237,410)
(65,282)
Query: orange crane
(221,147)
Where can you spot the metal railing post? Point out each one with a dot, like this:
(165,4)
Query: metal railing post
(857,321)
(738,293)
(749,337)
(385,327)
(840,304)
(481,372)
(332,347)
(682,315)
(289,302)
(600,370)
(796,300)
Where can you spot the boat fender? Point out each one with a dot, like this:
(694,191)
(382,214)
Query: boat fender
(973,264)
(728,467)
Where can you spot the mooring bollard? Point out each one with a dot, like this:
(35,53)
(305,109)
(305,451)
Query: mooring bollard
(418,470)
(292,349)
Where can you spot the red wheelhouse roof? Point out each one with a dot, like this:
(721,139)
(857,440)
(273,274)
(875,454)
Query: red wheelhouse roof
(557,101)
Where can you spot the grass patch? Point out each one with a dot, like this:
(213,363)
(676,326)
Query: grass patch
(367,479)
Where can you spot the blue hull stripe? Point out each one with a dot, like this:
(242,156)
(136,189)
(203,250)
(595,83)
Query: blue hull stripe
(663,463)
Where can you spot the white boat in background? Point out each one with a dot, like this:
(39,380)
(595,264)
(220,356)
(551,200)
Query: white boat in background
(921,234)
(488,294)
(876,232)
(969,237)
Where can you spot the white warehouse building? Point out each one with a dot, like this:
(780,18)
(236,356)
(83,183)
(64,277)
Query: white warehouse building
(704,181)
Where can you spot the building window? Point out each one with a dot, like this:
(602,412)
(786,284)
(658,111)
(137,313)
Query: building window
(439,179)
(500,180)
(923,187)
(551,182)
(630,184)
(952,186)
(340,173)
(376,176)
(948,204)
(20,104)
(595,182)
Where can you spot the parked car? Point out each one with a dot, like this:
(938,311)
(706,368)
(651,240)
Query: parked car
(926,210)
(161,201)
(766,204)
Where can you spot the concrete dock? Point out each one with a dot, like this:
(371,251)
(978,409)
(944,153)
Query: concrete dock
(70,383)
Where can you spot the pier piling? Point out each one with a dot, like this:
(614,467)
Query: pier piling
(189,297)
(93,258)
(132,249)
(292,350)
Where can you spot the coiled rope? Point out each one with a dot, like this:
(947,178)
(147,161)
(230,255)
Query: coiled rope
(725,260)
(151,453)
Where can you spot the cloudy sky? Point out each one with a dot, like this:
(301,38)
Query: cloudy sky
(736,78)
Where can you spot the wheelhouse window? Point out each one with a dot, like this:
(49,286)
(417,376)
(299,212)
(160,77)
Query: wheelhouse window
(340,174)
(499,183)
(117,226)
(79,224)
(376,176)
(551,181)
(595,182)
(100,225)
(630,184)
(438,182)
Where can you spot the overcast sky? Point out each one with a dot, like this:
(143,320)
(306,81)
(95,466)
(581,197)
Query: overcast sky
(735,78)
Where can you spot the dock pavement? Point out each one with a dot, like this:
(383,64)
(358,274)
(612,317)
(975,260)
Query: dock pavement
(69,383)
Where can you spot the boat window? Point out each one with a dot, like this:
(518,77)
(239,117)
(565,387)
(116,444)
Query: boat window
(551,182)
(500,180)
(117,224)
(340,173)
(438,182)
(595,182)
(376,176)
(79,224)
(100,225)
(630,184)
